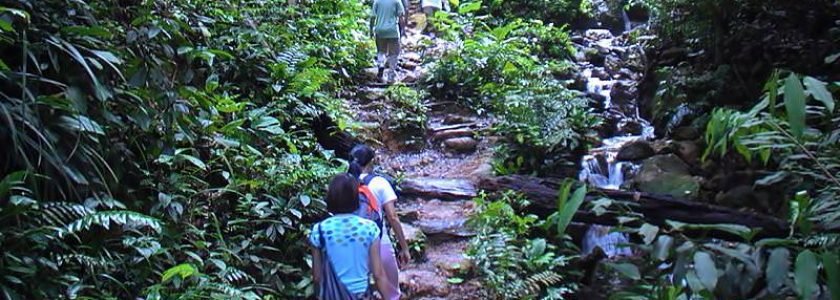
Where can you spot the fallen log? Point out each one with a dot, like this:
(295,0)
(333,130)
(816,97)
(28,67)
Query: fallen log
(654,209)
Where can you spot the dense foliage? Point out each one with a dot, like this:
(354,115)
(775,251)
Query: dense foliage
(163,149)
(515,72)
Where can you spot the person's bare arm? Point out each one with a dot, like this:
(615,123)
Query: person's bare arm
(316,265)
(375,266)
(394,221)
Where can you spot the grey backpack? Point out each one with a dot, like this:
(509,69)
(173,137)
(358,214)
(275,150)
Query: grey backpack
(330,287)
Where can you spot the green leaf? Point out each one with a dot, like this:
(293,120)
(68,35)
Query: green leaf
(662,247)
(455,280)
(706,270)
(831,264)
(818,89)
(305,200)
(648,232)
(10,181)
(183,270)
(6,26)
(805,273)
(94,31)
(469,7)
(832,58)
(193,160)
(795,105)
(628,270)
(568,211)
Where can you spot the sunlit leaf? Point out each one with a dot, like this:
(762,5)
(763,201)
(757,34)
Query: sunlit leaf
(706,270)
(795,104)
(805,273)
(818,89)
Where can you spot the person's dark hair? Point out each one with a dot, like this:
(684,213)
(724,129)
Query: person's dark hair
(342,195)
(360,156)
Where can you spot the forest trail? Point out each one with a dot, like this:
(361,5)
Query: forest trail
(450,154)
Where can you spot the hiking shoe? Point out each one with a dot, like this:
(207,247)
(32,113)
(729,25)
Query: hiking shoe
(379,72)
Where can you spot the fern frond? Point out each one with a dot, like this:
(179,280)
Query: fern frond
(105,218)
(229,291)
(85,261)
(535,283)
(61,213)
(828,241)
(234,275)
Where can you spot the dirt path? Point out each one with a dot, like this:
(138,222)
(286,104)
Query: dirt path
(437,224)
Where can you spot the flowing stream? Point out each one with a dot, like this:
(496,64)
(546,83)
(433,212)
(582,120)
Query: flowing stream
(600,168)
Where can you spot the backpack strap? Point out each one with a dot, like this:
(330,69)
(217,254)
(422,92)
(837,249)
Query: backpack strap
(368,178)
(321,238)
(373,204)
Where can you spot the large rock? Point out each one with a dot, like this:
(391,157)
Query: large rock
(667,175)
(685,133)
(688,151)
(623,92)
(461,144)
(637,150)
(439,188)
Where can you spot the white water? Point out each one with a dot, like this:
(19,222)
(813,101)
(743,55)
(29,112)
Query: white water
(608,173)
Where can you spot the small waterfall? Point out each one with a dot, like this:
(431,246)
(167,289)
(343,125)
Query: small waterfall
(600,168)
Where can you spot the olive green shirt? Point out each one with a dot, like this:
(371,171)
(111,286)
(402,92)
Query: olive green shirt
(386,14)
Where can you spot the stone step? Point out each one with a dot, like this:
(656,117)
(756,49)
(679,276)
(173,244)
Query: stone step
(439,188)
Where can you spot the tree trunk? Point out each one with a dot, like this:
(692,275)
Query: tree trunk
(654,209)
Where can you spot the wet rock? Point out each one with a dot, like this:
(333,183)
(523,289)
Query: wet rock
(688,151)
(461,144)
(612,63)
(409,65)
(483,170)
(637,150)
(454,227)
(668,175)
(369,74)
(625,73)
(452,119)
(630,127)
(412,234)
(745,196)
(410,77)
(372,94)
(598,34)
(418,282)
(579,55)
(452,133)
(623,92)
(412,56)
(685,133)
(438,188)
(594,56)
(600,73)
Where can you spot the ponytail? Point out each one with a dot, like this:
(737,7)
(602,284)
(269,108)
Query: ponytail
(355,168)
(360,156)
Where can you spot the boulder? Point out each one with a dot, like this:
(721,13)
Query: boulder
(667,175)
(439,188)
(688,151)
(452,119)
(612,64)
(623,92)
(453,133)
(685,133)
(461,144)
(598,34)
(637,150)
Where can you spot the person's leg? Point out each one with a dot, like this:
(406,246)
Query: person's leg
(393,56)
(392,271)
(381,53)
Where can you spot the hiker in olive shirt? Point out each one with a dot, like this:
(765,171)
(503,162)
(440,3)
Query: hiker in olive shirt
(387,25)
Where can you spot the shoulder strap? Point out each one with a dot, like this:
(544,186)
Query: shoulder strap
(321,238)
(373,204)
(368,178)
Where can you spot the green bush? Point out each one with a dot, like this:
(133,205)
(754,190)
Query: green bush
(407,114)
(498,71)
(164,150)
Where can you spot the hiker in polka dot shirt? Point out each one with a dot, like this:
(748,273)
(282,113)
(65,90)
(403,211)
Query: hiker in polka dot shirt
(352,242)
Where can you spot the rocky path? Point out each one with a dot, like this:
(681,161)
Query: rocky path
(437,168)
